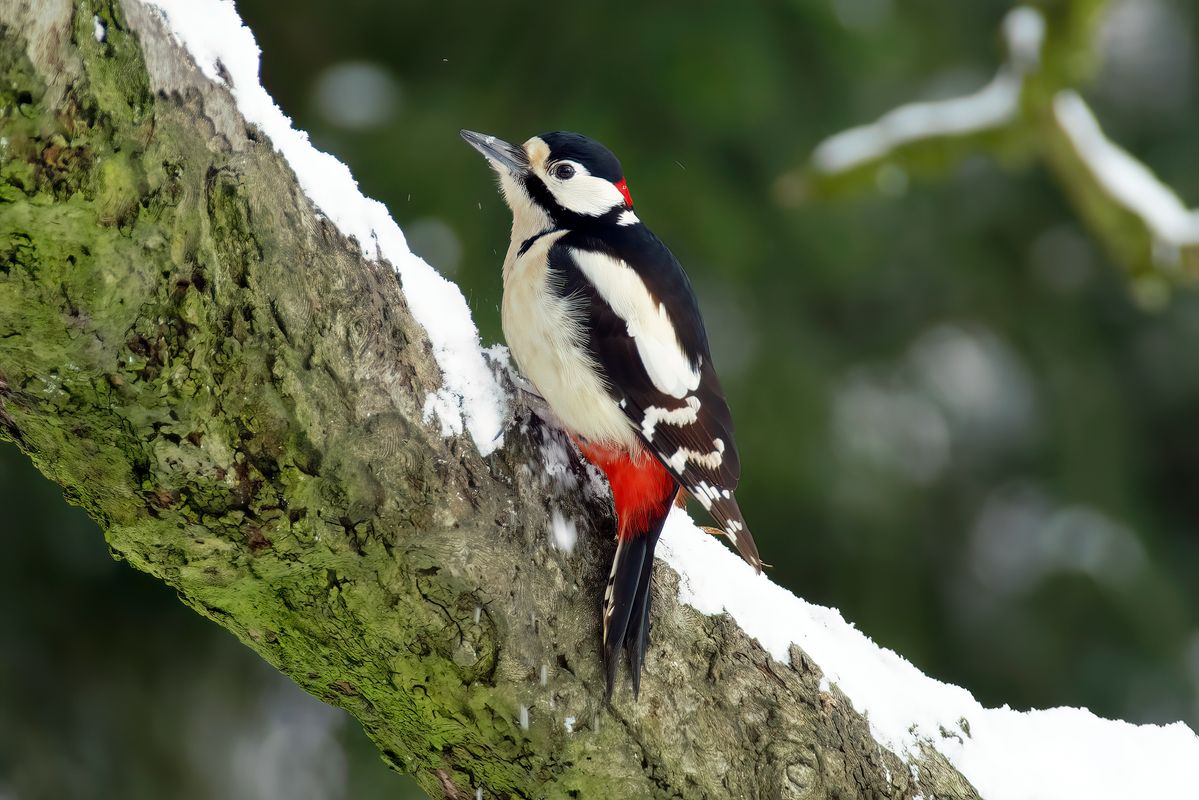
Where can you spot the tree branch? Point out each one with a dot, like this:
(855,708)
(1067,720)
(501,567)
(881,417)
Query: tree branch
(1029,110)
(294,434)
(220,377)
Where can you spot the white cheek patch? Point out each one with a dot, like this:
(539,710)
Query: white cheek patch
(585,194)
(582,193)
(627,218)
(669,369)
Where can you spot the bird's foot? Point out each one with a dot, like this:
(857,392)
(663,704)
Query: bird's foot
(535,402)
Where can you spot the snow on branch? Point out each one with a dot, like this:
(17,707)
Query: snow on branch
(1140,219)
(1006,754)
(225,51)
(995,105)
(1129,182)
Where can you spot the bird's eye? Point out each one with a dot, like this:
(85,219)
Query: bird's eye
(564,171)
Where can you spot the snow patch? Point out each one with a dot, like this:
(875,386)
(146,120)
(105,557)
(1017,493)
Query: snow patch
(990,107)
(224,49)
(994,105)
(1061,752)
(1024,32)
(99,29)
(563,533)
(1131,183)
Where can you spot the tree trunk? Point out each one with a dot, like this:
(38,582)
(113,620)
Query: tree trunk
(235,394)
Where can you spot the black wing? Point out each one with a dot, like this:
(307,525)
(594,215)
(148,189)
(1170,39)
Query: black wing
(693,435)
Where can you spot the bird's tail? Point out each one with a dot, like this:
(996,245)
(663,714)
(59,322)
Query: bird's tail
(643,492)
(732,524)
(627,601)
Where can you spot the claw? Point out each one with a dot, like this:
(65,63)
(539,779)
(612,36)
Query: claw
(537,404)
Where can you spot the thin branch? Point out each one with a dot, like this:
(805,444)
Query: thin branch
(904,131)
(1031,110)
(1141,219)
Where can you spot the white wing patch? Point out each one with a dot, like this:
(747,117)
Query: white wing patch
(707,494)
(678,462)
(648,323)
(669,416)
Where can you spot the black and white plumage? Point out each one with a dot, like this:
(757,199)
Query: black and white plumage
(645,334)
(601,318)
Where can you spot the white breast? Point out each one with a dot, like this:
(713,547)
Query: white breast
(548,343)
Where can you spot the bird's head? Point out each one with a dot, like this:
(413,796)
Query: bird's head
(559,178)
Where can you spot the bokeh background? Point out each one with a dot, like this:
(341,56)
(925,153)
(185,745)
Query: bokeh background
(957,426)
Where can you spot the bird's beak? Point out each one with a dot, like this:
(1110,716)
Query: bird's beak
(498,152)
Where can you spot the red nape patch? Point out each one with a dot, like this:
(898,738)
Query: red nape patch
(642,489)
(624,189)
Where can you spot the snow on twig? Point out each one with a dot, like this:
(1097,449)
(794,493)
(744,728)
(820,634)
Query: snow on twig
(1125,179)
(993,106)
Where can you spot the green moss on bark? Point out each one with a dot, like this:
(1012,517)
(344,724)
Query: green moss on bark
(146,372)
(236,397)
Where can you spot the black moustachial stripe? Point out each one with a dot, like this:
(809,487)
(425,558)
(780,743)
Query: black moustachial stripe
(527,243)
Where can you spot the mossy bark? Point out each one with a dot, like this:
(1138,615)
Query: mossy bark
(219,378)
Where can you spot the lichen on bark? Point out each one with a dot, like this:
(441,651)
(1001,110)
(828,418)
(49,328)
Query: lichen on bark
(235,394)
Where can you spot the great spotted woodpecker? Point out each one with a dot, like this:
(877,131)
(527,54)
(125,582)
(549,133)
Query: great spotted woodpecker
(601,319)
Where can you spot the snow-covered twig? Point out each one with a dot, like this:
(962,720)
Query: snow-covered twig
(1054,123)
(995,105)
(1126,180)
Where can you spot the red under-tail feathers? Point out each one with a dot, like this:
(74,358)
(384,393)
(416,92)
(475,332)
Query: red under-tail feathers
(642,489)
(642,492)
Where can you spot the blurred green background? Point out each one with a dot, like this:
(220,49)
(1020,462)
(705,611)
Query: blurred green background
(955,425)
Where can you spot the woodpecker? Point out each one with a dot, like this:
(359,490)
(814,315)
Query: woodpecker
(601,319)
